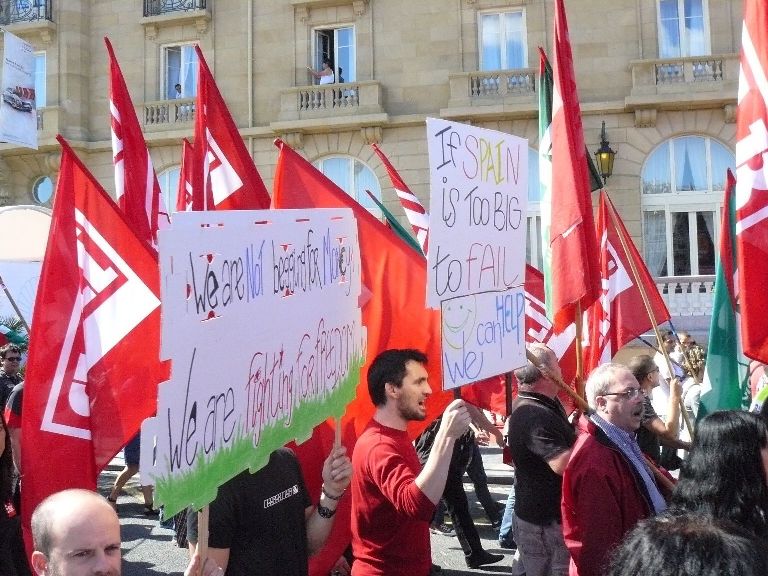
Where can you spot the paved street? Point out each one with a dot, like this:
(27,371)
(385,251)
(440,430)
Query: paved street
(149,548)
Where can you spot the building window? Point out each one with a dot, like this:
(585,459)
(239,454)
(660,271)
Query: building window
(169,187)
(683,182)
(354,177)
(42,190)
(40,92)
(533,246)
(338,45)
(180,68)
(503,43)
(683,28)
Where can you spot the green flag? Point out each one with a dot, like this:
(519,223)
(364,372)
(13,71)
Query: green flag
(13,336)
(725,374)
(396,227)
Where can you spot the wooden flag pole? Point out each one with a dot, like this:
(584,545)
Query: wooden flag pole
(579,351)
(15,307)
(202,536)
(661,479)
(647,304)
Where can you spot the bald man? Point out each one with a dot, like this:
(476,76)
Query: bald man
(76,533)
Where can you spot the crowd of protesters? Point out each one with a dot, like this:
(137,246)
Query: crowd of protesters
(592,495)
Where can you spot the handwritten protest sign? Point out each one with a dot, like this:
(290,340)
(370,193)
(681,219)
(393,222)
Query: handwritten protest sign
(483,335)
(478,202)
(476,261)
(262,323)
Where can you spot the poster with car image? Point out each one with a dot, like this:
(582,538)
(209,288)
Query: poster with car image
(18,116)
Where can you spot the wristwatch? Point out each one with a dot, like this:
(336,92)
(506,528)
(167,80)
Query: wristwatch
(325,512)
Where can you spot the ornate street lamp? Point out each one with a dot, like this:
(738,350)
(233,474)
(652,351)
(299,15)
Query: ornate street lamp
(604,156)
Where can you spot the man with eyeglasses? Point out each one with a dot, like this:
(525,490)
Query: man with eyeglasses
(540,439)
(10,362)
(607,486)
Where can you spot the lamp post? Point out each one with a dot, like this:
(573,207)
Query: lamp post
(604,156)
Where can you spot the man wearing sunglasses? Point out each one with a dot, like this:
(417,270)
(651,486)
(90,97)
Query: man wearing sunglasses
(607,485)
(10,362)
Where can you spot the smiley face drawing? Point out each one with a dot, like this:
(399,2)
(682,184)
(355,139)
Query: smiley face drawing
(458,320)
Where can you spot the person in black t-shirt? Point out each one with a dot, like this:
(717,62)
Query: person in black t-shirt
(540,441)
(265,523)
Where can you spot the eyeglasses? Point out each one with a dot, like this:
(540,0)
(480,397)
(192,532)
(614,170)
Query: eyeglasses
(628,394)
(13,359)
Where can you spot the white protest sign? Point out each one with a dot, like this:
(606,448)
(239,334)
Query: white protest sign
(262,324)
(483,335)
(477,210)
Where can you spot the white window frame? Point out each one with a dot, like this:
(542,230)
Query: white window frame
(709,200)
(317,55)
(365,202)
(684,47)
(500,13)
(164,88)
(169,186)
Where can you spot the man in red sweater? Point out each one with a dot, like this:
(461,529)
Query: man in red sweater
(393,498)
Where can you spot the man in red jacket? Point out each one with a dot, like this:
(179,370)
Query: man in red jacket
(607,486)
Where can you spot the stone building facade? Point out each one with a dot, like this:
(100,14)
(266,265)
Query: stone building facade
(661,74)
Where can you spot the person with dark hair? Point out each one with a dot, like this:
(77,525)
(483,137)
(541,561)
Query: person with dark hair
(540,442)
(607,487)
(687,545)
(10,362)
(393,497)
(726,474)
(653,430)
(13,559)
(326,75)
(454,495)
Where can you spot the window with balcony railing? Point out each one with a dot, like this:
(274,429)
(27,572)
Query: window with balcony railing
(13,11)
(158,7)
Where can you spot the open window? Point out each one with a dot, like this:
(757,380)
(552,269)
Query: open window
(338,45)
(179,68)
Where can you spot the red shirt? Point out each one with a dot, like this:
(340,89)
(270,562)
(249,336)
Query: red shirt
(390,513)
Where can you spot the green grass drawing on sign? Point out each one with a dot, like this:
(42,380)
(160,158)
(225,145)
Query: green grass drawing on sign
(198,485)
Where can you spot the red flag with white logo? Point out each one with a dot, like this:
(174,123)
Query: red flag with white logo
(184,198)
(573,275)
(138,191)
(752,180)
(414,209)
(93,368)
(225,177)
(619,315)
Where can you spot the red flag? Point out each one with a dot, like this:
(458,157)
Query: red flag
(620,314)
(184,198)
(92,375)
(392,315)
(575,272)
(138,191)
(224,173)
(414,209)
(752,180)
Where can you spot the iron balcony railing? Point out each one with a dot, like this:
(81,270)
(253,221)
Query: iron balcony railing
(158,7)
(12,11)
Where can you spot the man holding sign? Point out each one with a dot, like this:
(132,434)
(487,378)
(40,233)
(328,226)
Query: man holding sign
(393,498)
(265,521)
